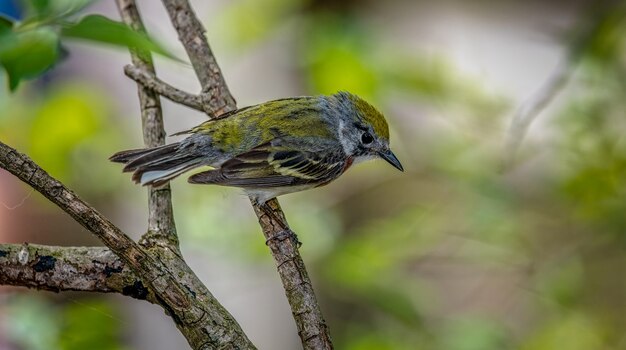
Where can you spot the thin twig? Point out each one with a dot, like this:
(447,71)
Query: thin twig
(528,112)
(312,328)
(87,269)
(150,81)
(161,226)
(215,93)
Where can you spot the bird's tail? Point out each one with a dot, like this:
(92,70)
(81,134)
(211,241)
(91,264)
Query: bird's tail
(157,166)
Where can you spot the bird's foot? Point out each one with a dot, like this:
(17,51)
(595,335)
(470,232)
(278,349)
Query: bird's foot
(283,235)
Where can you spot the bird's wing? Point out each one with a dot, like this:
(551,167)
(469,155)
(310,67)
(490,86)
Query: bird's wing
(208,123)
(275,165)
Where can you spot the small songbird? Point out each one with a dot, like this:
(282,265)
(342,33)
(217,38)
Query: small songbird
(273,148)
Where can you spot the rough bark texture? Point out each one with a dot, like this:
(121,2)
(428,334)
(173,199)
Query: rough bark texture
(161,227)
(154,268)
(150,81)
(161,238)
(88,269)
(312,328)
(203,321)
(215,94)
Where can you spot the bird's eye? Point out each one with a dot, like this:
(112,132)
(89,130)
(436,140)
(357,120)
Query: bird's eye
(367,138)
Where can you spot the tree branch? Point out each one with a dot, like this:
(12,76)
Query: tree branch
(215,93)
(150,81)
(207,332)
(87,269)
(312,328)
(528,111)
(161,227)
(197,314)
(558,79)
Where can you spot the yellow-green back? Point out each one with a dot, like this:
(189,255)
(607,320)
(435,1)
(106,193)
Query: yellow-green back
(251,126)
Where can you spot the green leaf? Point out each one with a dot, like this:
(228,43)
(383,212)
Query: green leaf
(65,8)
(104,30)
(40,6)
(47,11)
(28,54)
(6,24)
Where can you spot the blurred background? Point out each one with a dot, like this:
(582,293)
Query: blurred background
(476,246)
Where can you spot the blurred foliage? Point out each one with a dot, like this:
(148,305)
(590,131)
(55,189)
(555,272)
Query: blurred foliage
(237,235)
(51,11)
(255,19)
(576,332)
(91,324)
(545,227)
(34,324)
(103,30)
(39,324)
(456,253)
(32,45)
(336,56)
(341,53)
(64,131)
(473,334)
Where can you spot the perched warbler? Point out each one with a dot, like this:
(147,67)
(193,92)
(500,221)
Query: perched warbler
(273,148)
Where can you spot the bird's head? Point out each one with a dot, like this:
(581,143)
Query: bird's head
(363,130)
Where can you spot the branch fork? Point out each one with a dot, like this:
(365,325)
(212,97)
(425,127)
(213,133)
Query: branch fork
(154,269)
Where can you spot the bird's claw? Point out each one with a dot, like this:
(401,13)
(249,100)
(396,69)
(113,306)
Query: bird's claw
(283,235)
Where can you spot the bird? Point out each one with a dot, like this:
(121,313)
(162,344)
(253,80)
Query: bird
(271,149)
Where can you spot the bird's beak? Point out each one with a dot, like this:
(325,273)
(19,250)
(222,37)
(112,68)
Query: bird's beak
(391,159)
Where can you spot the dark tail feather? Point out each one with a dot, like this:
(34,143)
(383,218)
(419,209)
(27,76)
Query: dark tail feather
(127,156)
(151,156)
(157,166)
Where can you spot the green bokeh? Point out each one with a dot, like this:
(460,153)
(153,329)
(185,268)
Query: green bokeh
(536,250)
